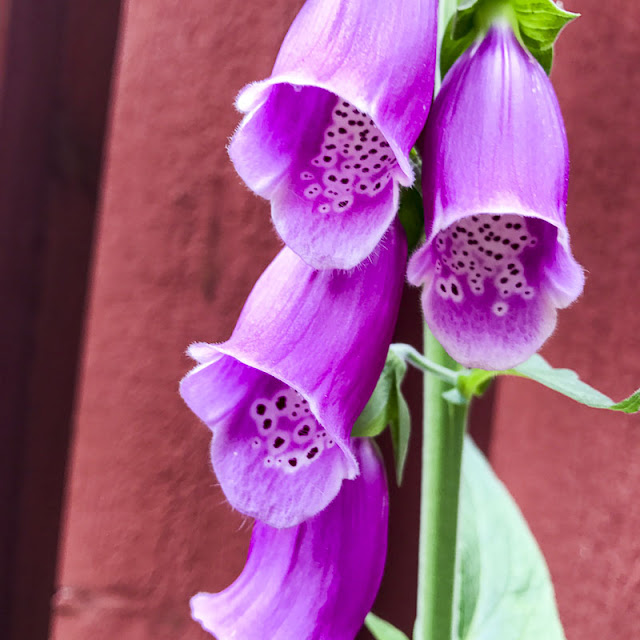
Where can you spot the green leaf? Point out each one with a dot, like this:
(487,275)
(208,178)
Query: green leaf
(382,630)
(567,382)
(503,588)
(387,407)
(411,214)
(564,381)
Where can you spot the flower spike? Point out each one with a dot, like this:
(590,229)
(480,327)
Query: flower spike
(496,263)
(327,137)
(283,393)
(316,581)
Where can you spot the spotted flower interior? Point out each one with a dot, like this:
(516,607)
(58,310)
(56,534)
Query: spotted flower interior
(288,435)
(488,259)
(354,162)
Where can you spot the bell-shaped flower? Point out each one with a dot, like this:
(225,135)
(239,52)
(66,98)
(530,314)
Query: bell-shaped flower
(327,137)
(315,581)
(496,263)
(283,393)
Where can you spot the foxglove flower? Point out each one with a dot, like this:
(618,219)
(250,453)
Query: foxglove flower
(282,394)
(496,263)
(315,581)
(327,137)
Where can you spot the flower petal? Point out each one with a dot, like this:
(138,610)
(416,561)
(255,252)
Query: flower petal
(316,581)
(317,339)
(316,130)
(497,261)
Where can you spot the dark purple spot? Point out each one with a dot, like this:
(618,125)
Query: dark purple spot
(261,409)
(281,402)
(312,453)
(278,442)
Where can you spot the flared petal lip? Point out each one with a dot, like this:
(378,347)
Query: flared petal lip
(198,349)
(254,95)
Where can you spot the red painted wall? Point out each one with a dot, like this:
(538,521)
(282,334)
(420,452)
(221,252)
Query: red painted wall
(181,242)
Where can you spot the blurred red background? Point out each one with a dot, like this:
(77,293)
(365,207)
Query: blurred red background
(90,410)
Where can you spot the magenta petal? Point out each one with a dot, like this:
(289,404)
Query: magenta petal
(316,581)
(331,130)
(497,263)
(282,394)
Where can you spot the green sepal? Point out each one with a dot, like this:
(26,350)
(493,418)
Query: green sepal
(564,381)
(537,24)
(540,23)
(387,407)
(503,588)
(459,34)
(382,630)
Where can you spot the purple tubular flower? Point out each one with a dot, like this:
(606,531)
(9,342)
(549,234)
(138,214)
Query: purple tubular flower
(316,581)
(327,137)
(293,378)
(497,262)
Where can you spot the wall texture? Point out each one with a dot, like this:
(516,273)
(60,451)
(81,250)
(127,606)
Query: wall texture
(179,245)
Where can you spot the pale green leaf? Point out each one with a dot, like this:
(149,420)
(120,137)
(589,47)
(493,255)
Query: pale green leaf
(503,588)
(382,630)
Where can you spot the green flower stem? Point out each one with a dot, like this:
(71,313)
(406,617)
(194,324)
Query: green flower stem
(416,359)
(443,433)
